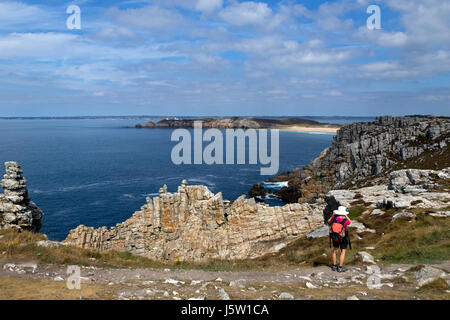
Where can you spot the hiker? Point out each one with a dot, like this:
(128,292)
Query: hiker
(339,236)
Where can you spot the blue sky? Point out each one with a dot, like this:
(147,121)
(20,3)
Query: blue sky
(224,57)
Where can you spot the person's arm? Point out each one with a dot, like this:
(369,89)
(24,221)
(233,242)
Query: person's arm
(331,219)
(348,219)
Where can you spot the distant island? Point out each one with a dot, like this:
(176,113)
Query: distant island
(290,124)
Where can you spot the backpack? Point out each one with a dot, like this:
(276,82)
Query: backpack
(337,231)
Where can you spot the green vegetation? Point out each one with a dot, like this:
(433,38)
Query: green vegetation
(423,239)
(356,211)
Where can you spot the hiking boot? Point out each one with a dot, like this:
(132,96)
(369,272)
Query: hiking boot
(334,268)
(342,269)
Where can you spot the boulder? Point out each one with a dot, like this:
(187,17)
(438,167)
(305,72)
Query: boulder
(319,233)
(402,215)
(427,275)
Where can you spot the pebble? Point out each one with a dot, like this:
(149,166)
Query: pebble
(197,298)
(285,295)
(310,285)
(223,294)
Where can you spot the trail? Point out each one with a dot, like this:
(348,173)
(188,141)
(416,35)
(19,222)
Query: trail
(300,283)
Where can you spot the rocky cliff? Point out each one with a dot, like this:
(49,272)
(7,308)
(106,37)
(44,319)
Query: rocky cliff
(16,208)
(194,224)
(234,123)
(362,151)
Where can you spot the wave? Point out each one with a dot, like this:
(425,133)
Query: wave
(126,182)
(275,185)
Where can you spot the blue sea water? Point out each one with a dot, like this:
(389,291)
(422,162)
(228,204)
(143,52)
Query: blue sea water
(98,173)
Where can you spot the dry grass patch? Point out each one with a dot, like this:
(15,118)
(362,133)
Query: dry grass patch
(36,289)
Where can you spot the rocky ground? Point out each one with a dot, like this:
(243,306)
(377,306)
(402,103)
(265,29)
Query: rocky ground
(393,281)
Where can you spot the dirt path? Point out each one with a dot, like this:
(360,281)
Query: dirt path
(303,283)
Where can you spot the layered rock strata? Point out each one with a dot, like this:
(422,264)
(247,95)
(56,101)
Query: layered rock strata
(194,224)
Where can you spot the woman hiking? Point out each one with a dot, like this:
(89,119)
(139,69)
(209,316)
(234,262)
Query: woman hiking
(339,235)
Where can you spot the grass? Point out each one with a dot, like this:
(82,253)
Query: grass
(425,239)
(436,287)
(22,245)
(356,211)
(37,289)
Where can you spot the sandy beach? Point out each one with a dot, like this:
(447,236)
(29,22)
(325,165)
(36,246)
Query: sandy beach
(310,129)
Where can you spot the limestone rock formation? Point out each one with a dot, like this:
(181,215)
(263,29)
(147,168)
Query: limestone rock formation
(365,150)
(427,190)
(16,208)
(194,224)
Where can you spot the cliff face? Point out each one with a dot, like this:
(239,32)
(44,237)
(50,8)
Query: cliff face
(16,208)
(365,150)
(193,224)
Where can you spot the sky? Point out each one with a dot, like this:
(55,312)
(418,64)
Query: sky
(225,57)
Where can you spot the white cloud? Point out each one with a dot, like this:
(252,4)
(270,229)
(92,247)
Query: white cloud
(13,13)
(151,17)
(246,14)
(208,6)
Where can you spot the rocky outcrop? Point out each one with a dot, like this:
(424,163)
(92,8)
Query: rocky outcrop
(234,123)
(423,189)
(362,151)
(16,208)
(194,224)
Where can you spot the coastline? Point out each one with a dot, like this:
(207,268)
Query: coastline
(310,129)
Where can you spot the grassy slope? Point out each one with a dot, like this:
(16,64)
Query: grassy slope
(424,239)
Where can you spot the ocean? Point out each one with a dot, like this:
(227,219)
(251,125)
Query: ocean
(98,173)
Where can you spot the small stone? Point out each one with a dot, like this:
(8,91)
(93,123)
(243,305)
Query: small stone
(278,247)
(285,295)
(377,212)
(238,283)
(310,285)
(58,278)
(352,298)
(401,215)
(173,281)
(366,257)
(223,294)
(197,298)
